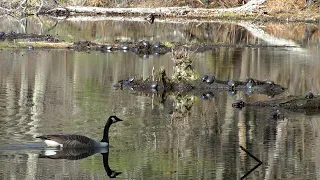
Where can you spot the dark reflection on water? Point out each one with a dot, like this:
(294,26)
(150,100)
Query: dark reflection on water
(77,154)
(58,91)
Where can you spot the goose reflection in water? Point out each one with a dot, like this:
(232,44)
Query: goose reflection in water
(76,154)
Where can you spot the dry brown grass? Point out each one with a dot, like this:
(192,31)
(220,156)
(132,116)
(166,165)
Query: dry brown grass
(162,3)
(96,3)
(293,9)
(297,31)
(284,6)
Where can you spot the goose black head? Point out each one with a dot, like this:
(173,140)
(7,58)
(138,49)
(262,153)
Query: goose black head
(115,119)
(111,120)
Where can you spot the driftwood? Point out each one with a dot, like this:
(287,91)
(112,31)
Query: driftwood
(161,11)
(309,104)
(251,6)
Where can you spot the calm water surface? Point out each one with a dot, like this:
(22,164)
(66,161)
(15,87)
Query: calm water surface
(61,91)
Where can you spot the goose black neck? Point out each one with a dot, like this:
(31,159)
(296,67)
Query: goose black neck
(106,131)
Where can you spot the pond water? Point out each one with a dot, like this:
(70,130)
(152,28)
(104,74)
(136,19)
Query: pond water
(185,137)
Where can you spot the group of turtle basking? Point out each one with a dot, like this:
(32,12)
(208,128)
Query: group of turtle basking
(142,48)
(207,85)
(204,84)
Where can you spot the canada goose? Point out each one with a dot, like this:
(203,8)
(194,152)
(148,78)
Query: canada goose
(79,141)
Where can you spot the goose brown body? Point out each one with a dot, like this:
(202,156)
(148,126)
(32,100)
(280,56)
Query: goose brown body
(70,140)
(79,141)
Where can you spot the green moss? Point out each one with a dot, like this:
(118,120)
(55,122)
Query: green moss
(6,44)
(168,44)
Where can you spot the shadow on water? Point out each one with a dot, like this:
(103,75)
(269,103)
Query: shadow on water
(77,154)
(41,151)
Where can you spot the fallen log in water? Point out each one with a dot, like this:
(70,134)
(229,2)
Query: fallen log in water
(201,85)
(10,36)
(308,104)
(141,48)
(160,11)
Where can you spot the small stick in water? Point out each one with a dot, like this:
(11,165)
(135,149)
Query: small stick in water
(255,158)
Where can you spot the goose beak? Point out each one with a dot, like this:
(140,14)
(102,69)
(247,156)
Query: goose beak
(118,119)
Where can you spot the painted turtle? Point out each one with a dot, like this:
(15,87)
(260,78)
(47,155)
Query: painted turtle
(231,84)
(209,95)
(154,85)
(146,44)
(204,97)
(309,95)
(131,79)
(238,104)
(109,47)
(232,93)
(250,82)
(124,47)
(204,77)
(30,48)
(271,83)
(276,115)
(2,34)
(210,79)
(157,44)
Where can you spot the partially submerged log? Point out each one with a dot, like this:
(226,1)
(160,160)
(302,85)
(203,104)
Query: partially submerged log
(141,48)
(308,103)
(199,86)
(10,36)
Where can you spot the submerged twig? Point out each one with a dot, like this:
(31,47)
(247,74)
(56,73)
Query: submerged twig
(255,167)
(255,158)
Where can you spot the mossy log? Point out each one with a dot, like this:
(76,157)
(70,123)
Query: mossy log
(162,84)
(141,48)
(308,103)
